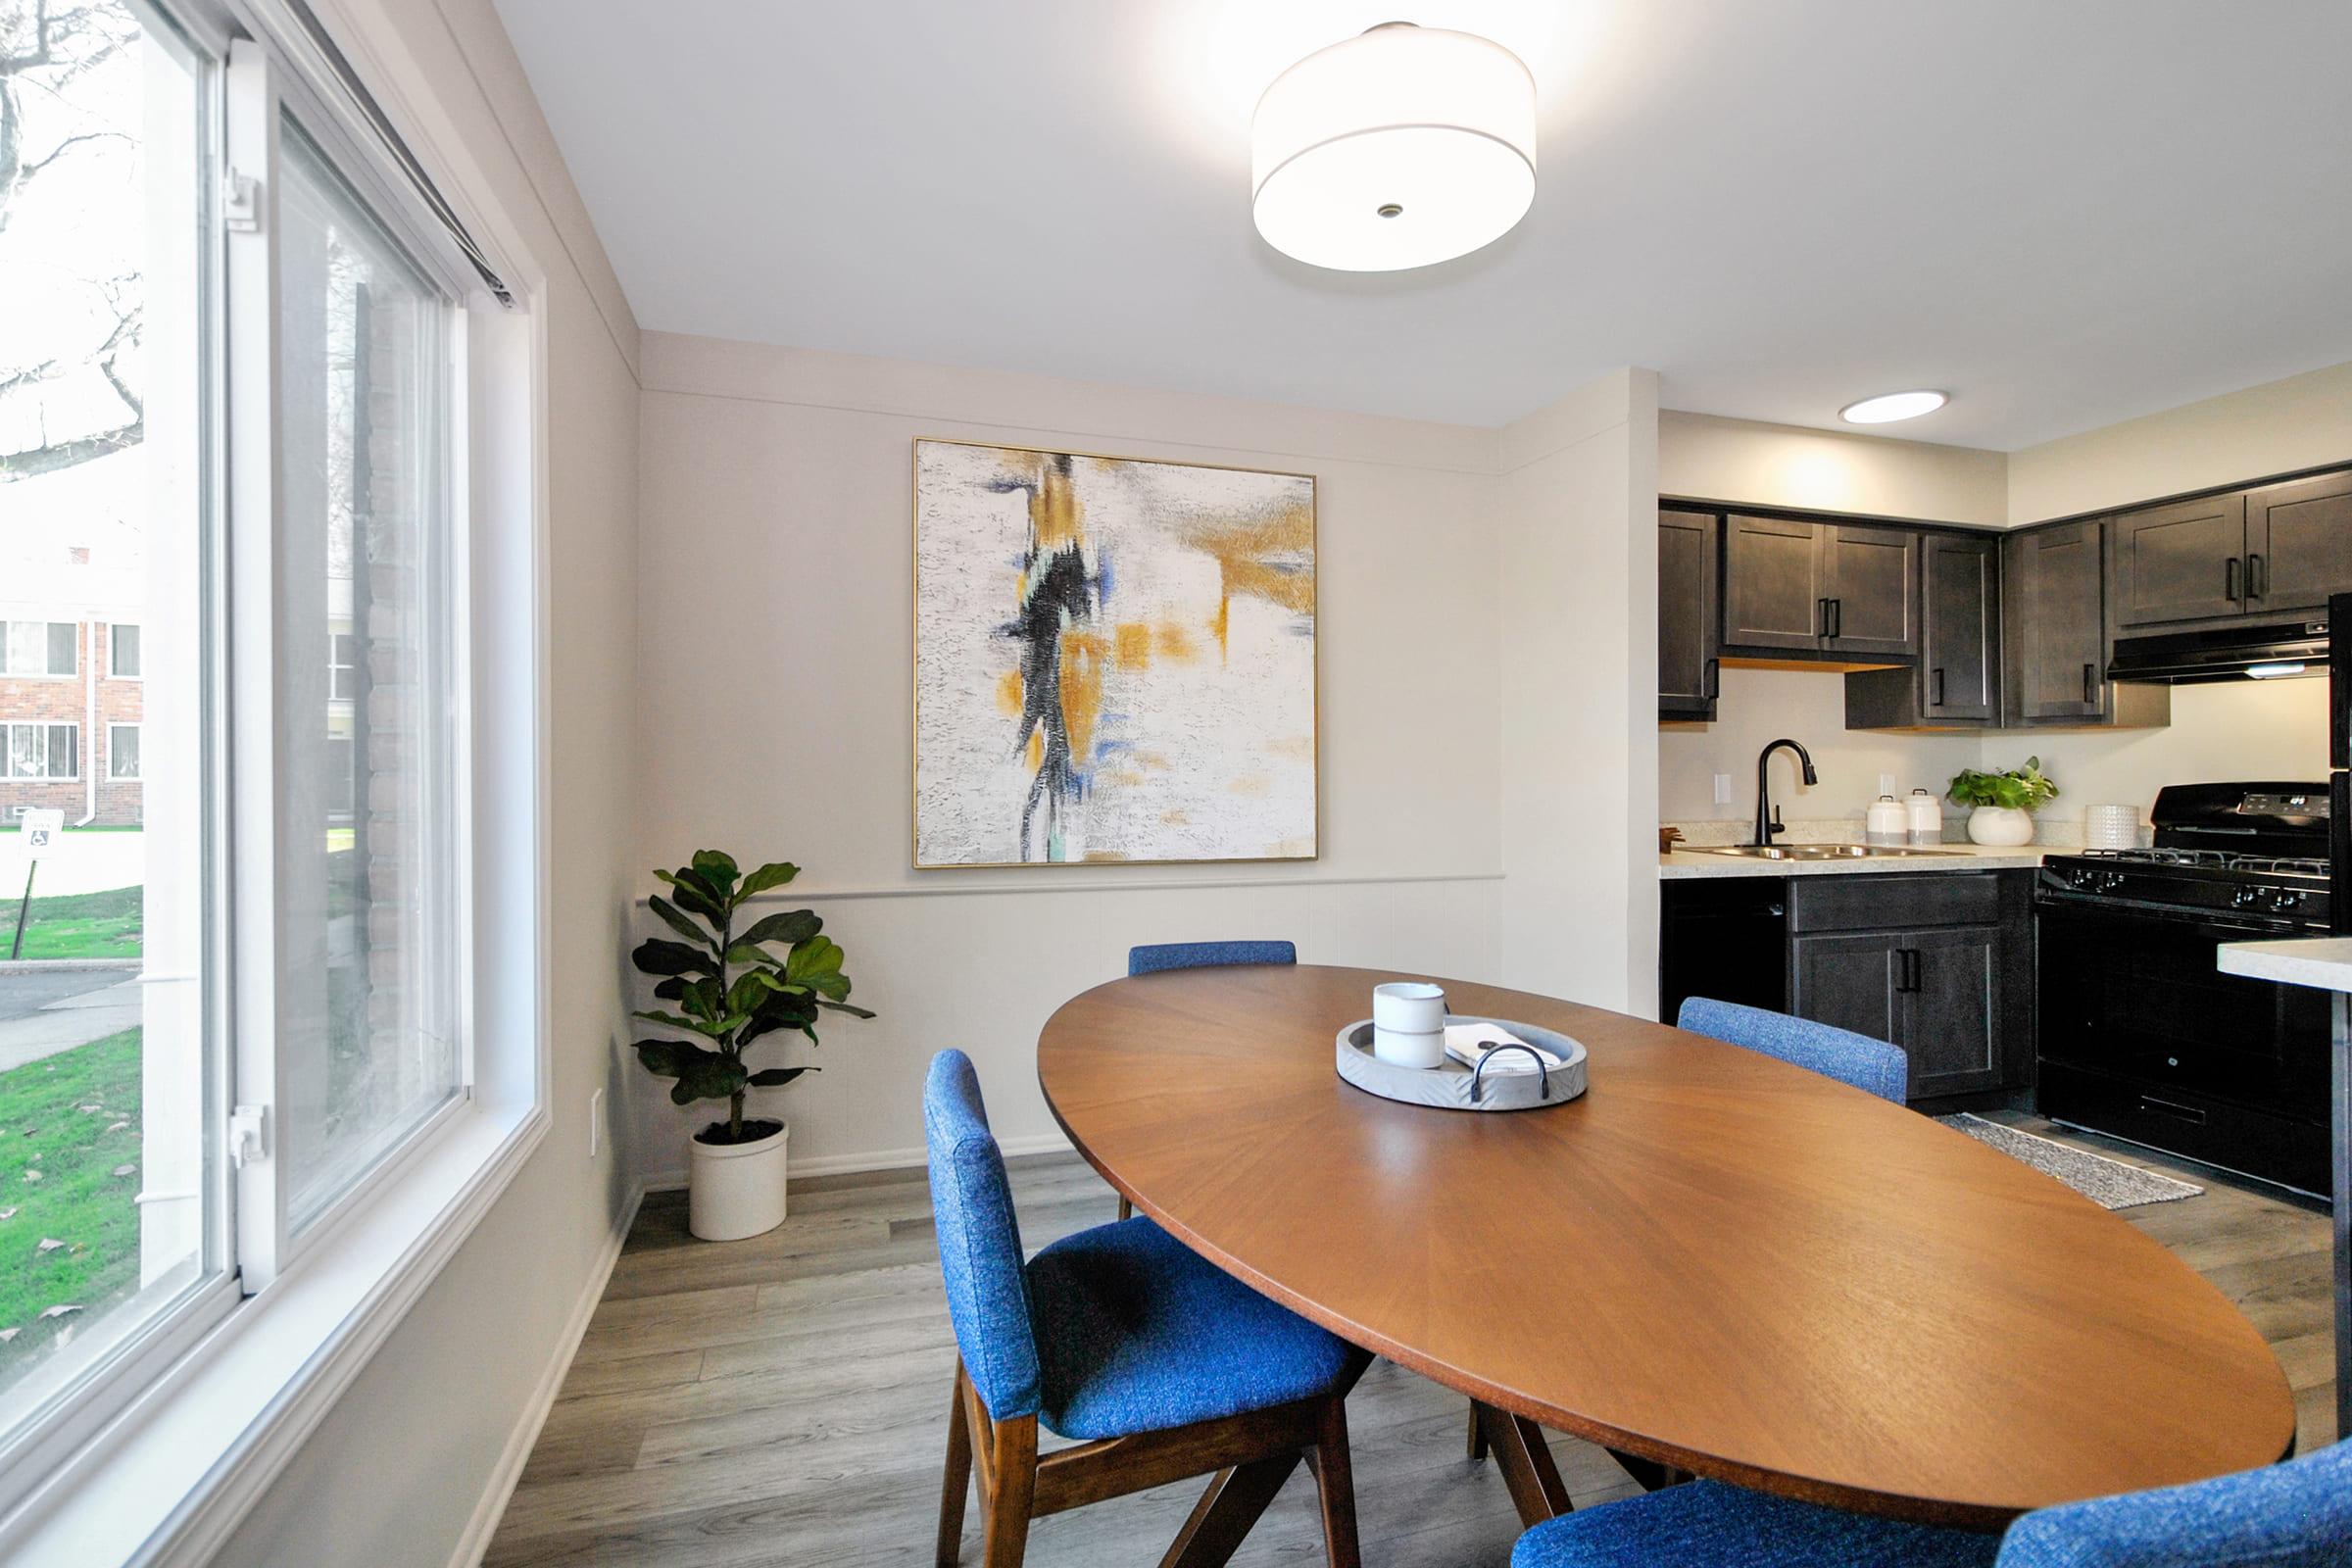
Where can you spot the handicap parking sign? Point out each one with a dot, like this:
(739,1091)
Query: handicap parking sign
(41,828)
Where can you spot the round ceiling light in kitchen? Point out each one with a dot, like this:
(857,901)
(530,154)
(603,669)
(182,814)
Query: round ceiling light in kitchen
(1893,405)
(1399,148)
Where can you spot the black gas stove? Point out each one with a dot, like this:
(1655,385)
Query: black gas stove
(2139,1035)
(2255,851)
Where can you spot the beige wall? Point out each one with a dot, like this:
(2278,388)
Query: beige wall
(2229,730)
(1706,458)
(787,475)
(1579,677)
(394,1476)
(2304,421)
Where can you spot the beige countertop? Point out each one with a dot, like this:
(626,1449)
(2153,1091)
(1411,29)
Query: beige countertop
(1951,858)
(2322,963)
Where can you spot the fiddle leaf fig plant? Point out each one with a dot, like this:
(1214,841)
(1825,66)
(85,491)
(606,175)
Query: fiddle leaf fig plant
(2019,788)
(730,986)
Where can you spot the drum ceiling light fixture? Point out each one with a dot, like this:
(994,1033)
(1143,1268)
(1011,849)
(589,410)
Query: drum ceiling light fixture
(1398,148)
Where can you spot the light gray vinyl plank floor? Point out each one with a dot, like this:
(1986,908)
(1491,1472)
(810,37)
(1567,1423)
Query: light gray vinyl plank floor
(783,1400)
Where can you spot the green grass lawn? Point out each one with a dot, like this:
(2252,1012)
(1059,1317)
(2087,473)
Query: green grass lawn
(76,925)
(89,1164)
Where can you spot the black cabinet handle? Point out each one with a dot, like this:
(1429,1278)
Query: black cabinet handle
(2258,577)
(2230,580)
(1836,617)
(1714,680)
(1936,694)
(2089,696)
(1906,969)
(1821,616)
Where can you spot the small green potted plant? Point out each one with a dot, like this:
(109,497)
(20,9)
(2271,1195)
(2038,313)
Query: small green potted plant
(2002,805)
(730,989)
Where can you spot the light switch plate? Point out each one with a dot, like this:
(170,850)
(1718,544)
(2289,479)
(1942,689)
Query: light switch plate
(596,1124)
(1723,789)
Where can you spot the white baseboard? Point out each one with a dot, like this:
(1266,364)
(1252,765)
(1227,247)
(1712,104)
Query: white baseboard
(475,1544)
(675,1179)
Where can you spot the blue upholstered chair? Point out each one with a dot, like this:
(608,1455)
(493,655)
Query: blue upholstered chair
(1118,1336)
(1838,1053)
(1153,957)
(2293,1515)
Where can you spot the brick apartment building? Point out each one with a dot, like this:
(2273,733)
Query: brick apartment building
(69,709)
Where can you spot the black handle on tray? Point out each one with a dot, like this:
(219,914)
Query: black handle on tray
(1533,1055)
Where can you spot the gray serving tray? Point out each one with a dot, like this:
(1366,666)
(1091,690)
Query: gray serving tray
(1448,1085)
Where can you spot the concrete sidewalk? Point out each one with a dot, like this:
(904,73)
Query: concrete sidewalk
(42,1015)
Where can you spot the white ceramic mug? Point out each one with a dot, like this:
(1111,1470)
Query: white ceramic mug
(1410,1008)
(1400,1049)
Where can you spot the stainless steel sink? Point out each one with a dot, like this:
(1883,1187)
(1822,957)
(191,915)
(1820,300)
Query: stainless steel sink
(1815,852)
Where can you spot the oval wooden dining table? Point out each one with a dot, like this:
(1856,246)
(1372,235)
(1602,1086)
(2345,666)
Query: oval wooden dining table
(1712,1260)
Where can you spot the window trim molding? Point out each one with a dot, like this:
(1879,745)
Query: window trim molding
(159,1485)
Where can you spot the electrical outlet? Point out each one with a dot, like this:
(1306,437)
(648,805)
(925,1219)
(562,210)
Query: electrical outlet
(1723,789)
(596,1124)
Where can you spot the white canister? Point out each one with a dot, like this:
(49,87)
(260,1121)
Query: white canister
(1409,1023)
(1926,818)
(1885,822)
(2111,827)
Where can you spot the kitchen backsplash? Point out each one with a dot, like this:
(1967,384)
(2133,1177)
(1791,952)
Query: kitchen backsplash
(2056,833)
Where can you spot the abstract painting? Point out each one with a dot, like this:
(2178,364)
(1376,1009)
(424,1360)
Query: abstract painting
(1114,660)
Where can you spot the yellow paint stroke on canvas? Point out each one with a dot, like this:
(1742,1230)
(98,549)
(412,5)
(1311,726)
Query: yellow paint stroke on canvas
(1009,693)
(1269,558)
(1082,658)
(1131,645)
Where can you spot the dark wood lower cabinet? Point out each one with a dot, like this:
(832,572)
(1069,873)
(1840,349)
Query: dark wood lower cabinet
(1939,963)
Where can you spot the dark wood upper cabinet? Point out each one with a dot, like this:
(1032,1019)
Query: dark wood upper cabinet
(1690,615)
(1871,579)
(1773,597)
(2055,595)
(2299,543)
(1959,659)
(2182,561)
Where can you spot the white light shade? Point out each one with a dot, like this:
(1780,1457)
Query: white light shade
(1398,148)
(1891,407)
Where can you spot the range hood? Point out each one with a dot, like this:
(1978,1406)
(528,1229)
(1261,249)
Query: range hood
(2278,648)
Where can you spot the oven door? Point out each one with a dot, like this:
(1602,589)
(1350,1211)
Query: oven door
(2133,993)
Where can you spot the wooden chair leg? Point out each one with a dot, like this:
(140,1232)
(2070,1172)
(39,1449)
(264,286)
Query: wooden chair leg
(957,1482)
(1478,1435)
(1126,1209)
(1335,1483)
(1234,1498)
(1012,1486)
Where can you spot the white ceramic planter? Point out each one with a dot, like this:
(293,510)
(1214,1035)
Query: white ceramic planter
(735,1190)
(2001,826)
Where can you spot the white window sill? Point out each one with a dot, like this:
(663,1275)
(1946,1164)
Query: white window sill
(168,1481)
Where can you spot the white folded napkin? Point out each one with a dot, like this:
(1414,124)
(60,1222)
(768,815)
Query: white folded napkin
(1470,1043)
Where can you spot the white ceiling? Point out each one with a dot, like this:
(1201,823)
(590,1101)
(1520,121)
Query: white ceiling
(2065,214)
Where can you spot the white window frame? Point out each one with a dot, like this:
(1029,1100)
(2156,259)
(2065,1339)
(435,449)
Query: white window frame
(115,727)
(163,1453)
(112,671)
(8,752)
(7,673)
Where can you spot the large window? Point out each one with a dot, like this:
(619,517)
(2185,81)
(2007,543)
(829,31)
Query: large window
(37,647)
(231,328)
(113,1213)
(362,370)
